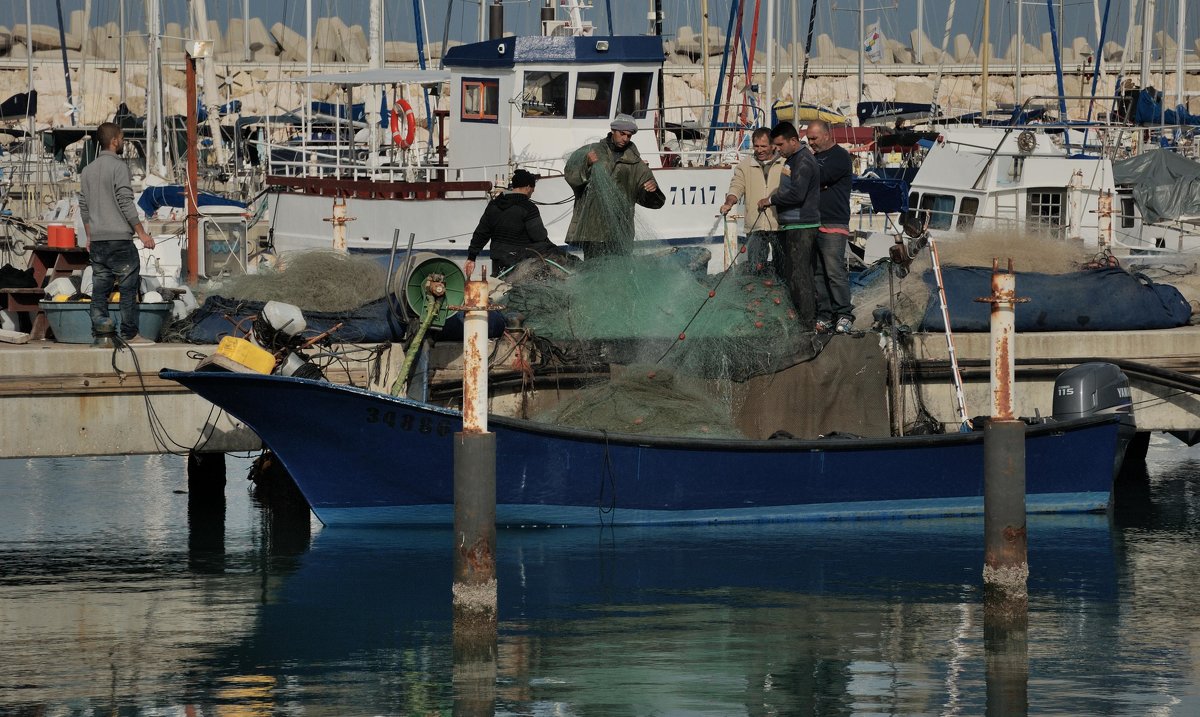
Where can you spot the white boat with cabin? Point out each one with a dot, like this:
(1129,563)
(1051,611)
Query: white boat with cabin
(515,102)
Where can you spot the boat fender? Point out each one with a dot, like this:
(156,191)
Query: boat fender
(403,140)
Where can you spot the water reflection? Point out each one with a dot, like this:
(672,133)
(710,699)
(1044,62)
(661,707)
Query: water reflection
(115,595)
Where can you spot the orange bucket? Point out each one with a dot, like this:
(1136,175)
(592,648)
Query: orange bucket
(61,235)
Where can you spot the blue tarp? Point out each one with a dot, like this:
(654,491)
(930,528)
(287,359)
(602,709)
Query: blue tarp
(1099,300)
(368,324)
(1149,110)
(887,195)
(172,195)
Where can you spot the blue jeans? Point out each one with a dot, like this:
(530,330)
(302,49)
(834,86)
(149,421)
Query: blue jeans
(795,268)
(832,279)
(115,263)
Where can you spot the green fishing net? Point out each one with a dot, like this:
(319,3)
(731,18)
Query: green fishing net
(312,280)
(677,337)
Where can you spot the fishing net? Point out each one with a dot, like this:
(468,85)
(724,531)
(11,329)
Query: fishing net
(647,399)
(312,280)
(682,336)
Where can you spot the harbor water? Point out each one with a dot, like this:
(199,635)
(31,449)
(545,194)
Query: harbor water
(115,598)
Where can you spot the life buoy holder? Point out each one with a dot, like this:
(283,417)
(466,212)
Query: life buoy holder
(403,140)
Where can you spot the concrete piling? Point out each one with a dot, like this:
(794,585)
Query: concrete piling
(474,591)
(1005,558)
(1006,565)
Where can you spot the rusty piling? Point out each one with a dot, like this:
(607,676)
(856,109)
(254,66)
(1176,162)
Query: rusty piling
(474,590)
(1006,566)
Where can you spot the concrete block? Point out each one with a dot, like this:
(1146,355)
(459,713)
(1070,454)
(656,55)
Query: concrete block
(290,41)
(172,41)
(40,37)
(75,31)
(1082,47)
(354,45)
(399,51)
(963,54)
(214,34)
(1114,51)
(899,52)
(919,43)
(913,89)
(135,48)
(826,50)
(1165,43)
(326,38)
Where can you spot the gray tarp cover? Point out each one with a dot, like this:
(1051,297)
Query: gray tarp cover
(1165,185)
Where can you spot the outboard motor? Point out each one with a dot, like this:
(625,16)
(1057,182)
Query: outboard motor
(1091,389)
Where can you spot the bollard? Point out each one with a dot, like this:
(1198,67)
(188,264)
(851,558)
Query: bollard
(339,220)
(474,590)
(1005,561)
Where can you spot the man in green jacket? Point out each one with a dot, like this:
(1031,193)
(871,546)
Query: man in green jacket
(609,177)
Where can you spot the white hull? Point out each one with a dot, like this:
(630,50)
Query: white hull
(300,221)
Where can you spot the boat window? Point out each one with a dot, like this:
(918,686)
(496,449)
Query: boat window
(1127,212)
(544,95)
(940,208)
(635,93)
(480,100)
(1045,206)
(593,95)
(966,213)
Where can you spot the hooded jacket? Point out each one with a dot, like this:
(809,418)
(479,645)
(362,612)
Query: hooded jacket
(513,225)
(592,221)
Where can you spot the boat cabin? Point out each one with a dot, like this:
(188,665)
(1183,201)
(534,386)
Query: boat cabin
(1013,178)
(533,100)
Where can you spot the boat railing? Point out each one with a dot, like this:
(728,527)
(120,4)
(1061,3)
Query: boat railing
(688,136)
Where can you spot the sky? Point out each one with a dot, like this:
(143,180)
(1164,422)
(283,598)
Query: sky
(838,18)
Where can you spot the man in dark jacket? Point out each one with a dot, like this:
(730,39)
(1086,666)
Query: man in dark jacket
(834,311)
(513,225)
(797,204)
(602,221)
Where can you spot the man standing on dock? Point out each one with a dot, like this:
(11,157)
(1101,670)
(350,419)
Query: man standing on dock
(755,177)
(609,177)
(834,312)
(797,202)
(110,220)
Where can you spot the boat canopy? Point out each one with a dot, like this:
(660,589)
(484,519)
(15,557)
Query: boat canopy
(509,51)
(1165,185)
(377,76)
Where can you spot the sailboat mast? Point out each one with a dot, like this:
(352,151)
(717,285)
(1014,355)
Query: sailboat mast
(121,52)
(704,49)
(156,163)
(62,41)
(1147,40)
(211,96)
(374,61)
(985,53)
(862,36)
(768,96)
(795,62)
(1181,23)
(1020,52)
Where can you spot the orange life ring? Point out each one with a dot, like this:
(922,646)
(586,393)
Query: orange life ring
(405,140)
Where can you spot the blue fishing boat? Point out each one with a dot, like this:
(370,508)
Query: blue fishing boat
(366,458)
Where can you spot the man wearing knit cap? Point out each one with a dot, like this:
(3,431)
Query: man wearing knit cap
(513,225)
(609,177)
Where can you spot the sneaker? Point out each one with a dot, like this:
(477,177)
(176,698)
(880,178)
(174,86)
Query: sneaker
(844,326)
(822,326)
(138,340)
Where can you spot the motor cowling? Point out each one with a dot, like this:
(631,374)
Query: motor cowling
(1091,389)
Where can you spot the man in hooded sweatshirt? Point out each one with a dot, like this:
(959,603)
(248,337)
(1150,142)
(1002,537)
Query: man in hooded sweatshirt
(602,221)
(513,225)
